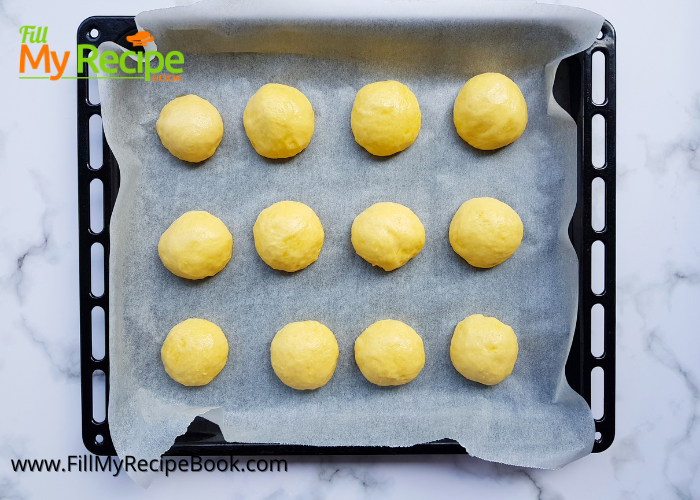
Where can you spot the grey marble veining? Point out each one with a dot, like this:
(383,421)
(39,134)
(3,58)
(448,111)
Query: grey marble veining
(656,453)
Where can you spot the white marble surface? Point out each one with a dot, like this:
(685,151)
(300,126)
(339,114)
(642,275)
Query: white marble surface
(656,454)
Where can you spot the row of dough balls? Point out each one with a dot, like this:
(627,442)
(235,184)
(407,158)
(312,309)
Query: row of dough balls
(490,112)
(304,354)
(289,236)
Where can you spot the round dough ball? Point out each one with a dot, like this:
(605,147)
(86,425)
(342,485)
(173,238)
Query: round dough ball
(190,128)
(485,232)
(385,117)
(288,236)
(387,235)
(197,245)
(304,355)
(389,352)
(194,352)
(279,121)
(490,111)
(483,349)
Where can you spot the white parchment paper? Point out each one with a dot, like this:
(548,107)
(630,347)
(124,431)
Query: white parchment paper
(329,51)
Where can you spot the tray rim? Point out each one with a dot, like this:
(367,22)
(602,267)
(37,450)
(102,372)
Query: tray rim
(203,438)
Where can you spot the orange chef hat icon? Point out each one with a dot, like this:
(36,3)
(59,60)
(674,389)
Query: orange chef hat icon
(140,39)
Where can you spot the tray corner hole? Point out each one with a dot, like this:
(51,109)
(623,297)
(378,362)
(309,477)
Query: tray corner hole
(598,267)
(99,396)
(93,34)
(597,330)
(597,392)
(99,440)
(598,141)
(96,206)
(98,333)
(598,437)
(95,142)
(97,269)
(598,204)
(598,77)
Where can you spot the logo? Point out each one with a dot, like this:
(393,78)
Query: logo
(140,39)
(35,54)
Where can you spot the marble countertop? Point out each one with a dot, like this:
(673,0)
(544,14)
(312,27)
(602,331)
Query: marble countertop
(656,453)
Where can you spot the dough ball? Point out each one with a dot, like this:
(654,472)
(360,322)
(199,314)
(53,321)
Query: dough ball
(389,352)
(485,232)
(194,352)
(483,349)
(387,235)
(385,117)
(304,355)
(288,236)
(279,121)
(190,128)
(490,111)
(195,246)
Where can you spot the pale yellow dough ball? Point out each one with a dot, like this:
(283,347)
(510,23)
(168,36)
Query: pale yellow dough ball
(485,232)
(483,349)
(194,352)
(288,236)
(389,352)
(490,111)
(304,355)
(387,235)
(197,245)
(190,128)
(385,117)
(279,121)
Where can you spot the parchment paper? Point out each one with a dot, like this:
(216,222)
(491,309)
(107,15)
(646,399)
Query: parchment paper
(329,51)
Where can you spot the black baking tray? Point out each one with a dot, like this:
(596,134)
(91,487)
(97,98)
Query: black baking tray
(573,91)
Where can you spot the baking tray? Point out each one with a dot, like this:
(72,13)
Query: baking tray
(572,90)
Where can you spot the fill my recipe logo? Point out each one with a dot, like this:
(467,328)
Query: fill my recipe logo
(38,62)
